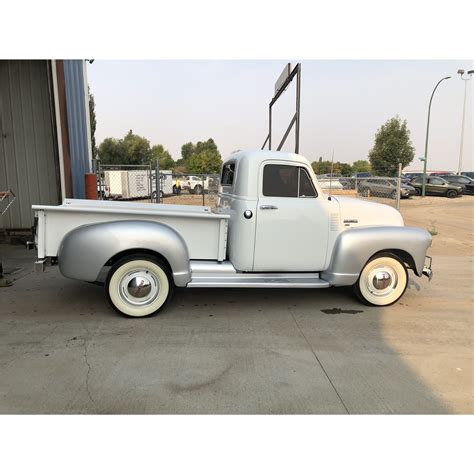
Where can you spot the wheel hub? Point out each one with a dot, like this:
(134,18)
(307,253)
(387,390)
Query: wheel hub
(139,287)
(381,281)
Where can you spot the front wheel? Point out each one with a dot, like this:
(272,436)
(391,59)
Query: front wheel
(139,285)
(452,193)
(382,281)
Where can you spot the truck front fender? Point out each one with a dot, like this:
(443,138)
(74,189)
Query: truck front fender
(354,247)
(84,251)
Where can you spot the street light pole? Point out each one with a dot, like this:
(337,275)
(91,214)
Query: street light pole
(461,72)
(427,134)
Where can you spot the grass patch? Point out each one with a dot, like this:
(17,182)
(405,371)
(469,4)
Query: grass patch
(432,230)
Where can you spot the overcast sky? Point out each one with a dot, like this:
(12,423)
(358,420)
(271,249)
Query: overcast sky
(342,105)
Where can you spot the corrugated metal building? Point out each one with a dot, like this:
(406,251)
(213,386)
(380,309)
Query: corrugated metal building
(45,141)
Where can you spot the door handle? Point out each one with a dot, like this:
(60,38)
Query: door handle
(267,207)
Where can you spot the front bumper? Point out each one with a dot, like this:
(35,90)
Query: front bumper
(427,271)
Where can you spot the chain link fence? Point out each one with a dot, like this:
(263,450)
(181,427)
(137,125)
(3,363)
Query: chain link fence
(385,190)
(139,183)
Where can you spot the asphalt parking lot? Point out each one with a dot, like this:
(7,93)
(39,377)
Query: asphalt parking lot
(63,350)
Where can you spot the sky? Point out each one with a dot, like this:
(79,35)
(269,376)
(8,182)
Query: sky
(343,103)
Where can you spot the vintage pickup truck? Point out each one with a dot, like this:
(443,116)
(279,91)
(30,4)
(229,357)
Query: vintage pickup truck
(273,228)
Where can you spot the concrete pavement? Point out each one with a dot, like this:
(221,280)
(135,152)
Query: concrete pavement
(63,350)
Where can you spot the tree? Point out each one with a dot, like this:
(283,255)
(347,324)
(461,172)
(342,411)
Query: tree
(158,153)
(392,146)
(325,166)
(130,150)
(93,123)
(345,168)
(112,152)
(203,157)
(138,149)
(360,166)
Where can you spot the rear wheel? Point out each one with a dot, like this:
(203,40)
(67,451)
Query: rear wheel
(198,189)
(139,285)
(452,193)
(382,281)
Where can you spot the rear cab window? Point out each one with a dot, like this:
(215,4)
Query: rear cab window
(228,174)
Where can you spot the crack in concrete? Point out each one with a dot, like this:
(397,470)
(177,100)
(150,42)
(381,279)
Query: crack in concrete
(86,360)
(89,368)
(319,362)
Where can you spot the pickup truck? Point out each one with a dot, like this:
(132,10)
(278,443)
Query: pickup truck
(273,228)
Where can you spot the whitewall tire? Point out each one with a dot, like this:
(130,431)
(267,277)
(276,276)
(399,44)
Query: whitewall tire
(138,286)
(382,281)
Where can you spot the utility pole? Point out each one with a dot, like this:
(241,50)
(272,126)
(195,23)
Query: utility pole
(461,73)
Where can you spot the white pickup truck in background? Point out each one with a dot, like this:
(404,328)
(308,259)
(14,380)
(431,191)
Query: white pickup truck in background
(274,227)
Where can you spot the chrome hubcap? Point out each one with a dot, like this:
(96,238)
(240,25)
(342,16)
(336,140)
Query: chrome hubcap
(139,287)
(381,281)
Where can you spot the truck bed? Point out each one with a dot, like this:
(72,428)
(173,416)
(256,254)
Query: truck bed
(204,232)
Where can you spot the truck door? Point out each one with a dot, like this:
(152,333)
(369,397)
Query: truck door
(292,220)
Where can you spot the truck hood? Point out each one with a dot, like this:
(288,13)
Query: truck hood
(357,212)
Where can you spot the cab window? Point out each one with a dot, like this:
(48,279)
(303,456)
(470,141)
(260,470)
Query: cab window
(287,181)
(228,172)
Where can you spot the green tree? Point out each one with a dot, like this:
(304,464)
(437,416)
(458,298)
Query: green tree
(158,152)
(392,146)
(202,157)
(130,150)
(138,149)
(346,168)
(112,152)
(325,166)
(360,166)
(93,123)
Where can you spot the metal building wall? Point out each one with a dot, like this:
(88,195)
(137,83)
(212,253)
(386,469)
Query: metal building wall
(28,152)
(77,121)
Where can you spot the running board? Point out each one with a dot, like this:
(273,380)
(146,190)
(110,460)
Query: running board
(257,280)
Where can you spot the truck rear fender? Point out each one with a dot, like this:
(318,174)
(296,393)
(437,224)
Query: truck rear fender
(354,247)
(84,251)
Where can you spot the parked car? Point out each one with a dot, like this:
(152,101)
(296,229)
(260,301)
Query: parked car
(465,181)
(384,188)
(274,228)
(330,183)
(437,186)
(469,174)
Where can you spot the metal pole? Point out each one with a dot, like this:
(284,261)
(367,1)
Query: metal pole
(270,127)
(202,190)
(427,135)
(158,182)
(298,97)
(399,184)
(462,127)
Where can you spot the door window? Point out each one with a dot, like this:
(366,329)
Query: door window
(437,181)
(287,181)
(280,181)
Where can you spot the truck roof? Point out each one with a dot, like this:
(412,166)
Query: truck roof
(262,155)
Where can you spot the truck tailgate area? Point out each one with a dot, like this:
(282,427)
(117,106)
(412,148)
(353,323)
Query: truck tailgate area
(204,232)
